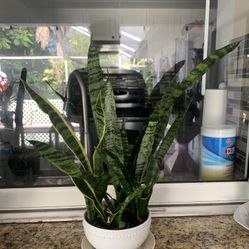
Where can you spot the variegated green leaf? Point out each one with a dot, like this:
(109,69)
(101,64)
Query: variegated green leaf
(203,67)
(113,141)
(62,127)
(120,209)
(125,145)
(165,82)
(171,133)
(96,84)
(116,171)
(86,183)
(145,151)
(166,105)
(86,188)
(97,161)
(151,177)
(162,112)
(152,172)
(62,162)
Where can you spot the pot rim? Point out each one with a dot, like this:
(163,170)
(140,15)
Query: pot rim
(148,220)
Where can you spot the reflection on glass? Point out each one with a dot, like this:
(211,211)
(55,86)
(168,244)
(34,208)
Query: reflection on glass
(141,52)
(47,54)
(226,104)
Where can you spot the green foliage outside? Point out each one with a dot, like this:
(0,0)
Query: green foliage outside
(18,39)
(21,41)
(80,43)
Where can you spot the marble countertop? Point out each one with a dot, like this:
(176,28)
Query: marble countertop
(213,232)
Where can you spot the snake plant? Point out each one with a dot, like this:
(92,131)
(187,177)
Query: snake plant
(132,173)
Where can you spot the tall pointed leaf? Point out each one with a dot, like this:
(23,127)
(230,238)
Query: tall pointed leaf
(113,141)
(58,159)
(100,115)
(86,183)
(125,145)
(152,171)
(203,67)
(96,84)
(165,82)
(62,126)
(116,171)
(167,102)
(171,134)
(169,138)
(145,151)
(86,188)
(120,209)
(149,180)
(49,83)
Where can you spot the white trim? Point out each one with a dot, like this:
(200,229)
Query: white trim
(127,47)
(29,57)
(83,31)
(205,48)
(200,193)
(40,198)
(76,214)
(247,156)
(124,53)
(133,37)
(41,216)
(172,199)
(164,194)
(39,57)
(194,210)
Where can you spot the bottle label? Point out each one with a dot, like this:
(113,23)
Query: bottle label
(218,151)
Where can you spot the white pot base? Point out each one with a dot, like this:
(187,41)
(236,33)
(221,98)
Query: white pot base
(149,243)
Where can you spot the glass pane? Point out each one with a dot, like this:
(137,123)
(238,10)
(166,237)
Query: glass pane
(47,54)
(226,98)
(141,51)
(212,144)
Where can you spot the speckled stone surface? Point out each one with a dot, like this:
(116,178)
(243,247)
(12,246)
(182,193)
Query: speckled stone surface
(214,232)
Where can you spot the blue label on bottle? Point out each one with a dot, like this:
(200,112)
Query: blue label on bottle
(218,150)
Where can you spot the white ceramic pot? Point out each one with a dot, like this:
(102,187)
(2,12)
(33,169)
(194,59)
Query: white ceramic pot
(130,238)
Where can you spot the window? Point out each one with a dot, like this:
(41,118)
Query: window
(143,46)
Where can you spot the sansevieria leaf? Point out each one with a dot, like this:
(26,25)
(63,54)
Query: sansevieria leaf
(62,126)
(126,148)
(145,151)
(165,82)
(83,180)
(57,158)
(100,115)
(167,103)
(98,87)
(113,140)
(134,178)
(116,171)
(151,177)
(96,84)
(203,67)
(171,133)
(120,209)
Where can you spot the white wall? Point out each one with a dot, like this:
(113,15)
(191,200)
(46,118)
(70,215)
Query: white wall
(241,18)
(232,20)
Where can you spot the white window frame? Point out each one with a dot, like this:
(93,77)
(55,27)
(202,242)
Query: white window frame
(168,199)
